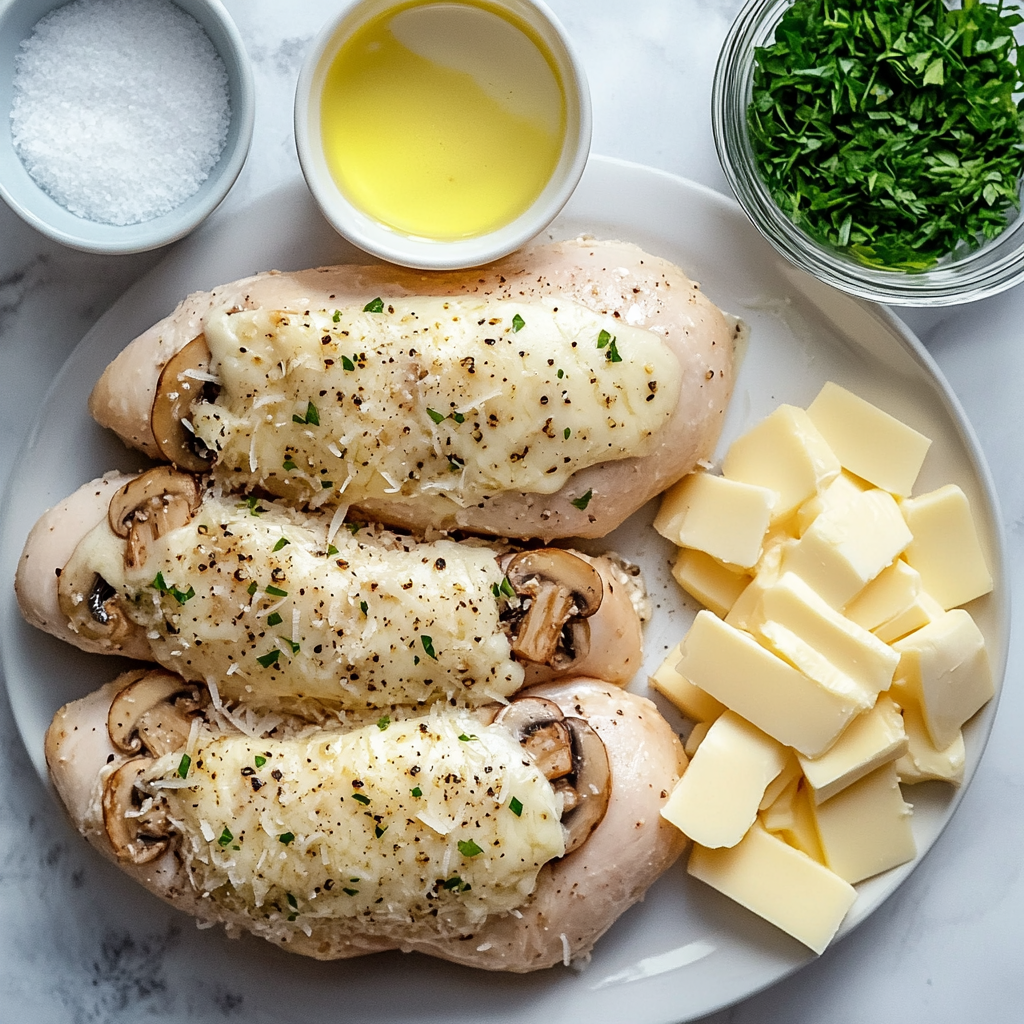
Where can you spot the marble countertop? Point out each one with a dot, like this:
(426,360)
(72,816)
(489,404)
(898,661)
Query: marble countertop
(945,948)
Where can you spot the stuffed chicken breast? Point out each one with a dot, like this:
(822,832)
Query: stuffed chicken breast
(505,838)
(271,605)
(548,395)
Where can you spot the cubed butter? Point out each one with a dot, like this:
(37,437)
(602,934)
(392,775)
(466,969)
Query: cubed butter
(869,442)
(922,610)
(791,818)
(724,518)
(853,650)
(707,580)
(871,740)
(716,800)
(790,771)
(765,690)
(841,490)
(786,453)
(847,546)
(779,883)
(891,592)
(696,737)
(865,828)
(690,699)
(946,550)
(944,670)
(922,761)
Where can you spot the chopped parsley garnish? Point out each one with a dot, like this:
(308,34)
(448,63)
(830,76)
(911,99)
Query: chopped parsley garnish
(374,306)
(252,588)
(337,316)
(428,646)
(326,484)
(225,837)
(516,807)
(469,849)
(360,798)
(437,417)
(567,433)
(583,500)
(560,374)
(379,830)
(350,892)
(331,550)
(295,648)
(274,619)
(288,465)
(466,737)
(518,323)
(260,760)
(354,528)
(383,722)
(416,791)
(276,591)
(291,901)
(457,884)
(266,660)
(181,596)
(253,505)
(606,340)
(311,416)
(363,606)
(890,130)
(283,542)
(183,766)
(347,364)
(458,417)
(286,837)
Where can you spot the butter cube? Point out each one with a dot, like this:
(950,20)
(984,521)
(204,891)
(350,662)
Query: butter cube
(946,550)
(848,546)
(837,493)
(791,818)
(758,685)
(922,610)
(853,650)
(716,800)
(944,670)
(891,592)
(786,453)
(779,883)
(865,828)
(696,737)
(790,771)
(923,761)
(869,442)
(871,740)
(690,699)
(706,579)
(724,518)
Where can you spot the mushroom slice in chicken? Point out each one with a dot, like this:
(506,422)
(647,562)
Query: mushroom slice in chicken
(184,379)
(136,827)
(142,715)
(559,589)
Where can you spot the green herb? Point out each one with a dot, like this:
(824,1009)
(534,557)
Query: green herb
(383,722)
(337,316)
(466,737)
(436,416)
(416,791)
(374,306)
(266,660)
(428,646)
(458,417)
(583,501)
(469,849)
(503,589)
(354,528)
(260,760)
(286,837)
(360,798)
(518,323)
(606,340)
(291,901)
(253,505)
(567,432)
(311,416)
(457,884)
(181,596)
(560,374)
(363,606)
(292,644)
(274,619)
(283,542)
(288,464)
(516,807)
(379,830)
(350,892)
(326,484)
(225,837)
(331,550)
(347,363)
(890,129)
(276,591)
(183,766)
(252,588)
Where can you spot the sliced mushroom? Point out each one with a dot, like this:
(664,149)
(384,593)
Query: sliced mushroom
(93,609)
(572,757)
(182,381)
(560,591)
(138,832)
(142,717)
(151,505)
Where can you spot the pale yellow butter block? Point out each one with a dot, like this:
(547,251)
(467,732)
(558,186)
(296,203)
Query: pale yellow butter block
(716,800)
(765,690)
(853,650)
(779,883)
(865,828)
(848,546)
(922,610)
(891,592)
(690,699)
(777,540)
(724,518)
(944,669)
(922,761)
(869,442)
(946,550)
(786,453)
(841,490)
(707,580)
(790,771)
(791,818)
(871,740)
(696,737)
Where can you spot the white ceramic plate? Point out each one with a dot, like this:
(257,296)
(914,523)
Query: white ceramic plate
(686,950)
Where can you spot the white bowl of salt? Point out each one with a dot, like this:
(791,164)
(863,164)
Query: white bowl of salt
(124,122)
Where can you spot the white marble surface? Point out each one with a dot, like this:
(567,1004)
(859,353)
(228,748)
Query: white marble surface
(945,949)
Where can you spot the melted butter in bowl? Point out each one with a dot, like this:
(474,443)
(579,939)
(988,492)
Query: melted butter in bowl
(442,135)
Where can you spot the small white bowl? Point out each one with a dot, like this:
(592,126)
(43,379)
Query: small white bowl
(36,207)
(420,252)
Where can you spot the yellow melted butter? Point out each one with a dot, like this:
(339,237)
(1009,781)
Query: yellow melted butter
(442,120)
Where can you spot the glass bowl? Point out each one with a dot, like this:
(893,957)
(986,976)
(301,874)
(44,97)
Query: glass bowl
(996,265)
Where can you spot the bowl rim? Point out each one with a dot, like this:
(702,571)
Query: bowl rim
(110,239)
(379,240)
(980,273)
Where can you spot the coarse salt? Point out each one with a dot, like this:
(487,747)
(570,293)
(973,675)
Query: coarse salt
(120,108)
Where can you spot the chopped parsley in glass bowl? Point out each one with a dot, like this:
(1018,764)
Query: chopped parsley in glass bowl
(878,144)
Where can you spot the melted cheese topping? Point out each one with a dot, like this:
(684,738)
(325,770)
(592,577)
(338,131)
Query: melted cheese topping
(444,398)
(438,818)
(252,596)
